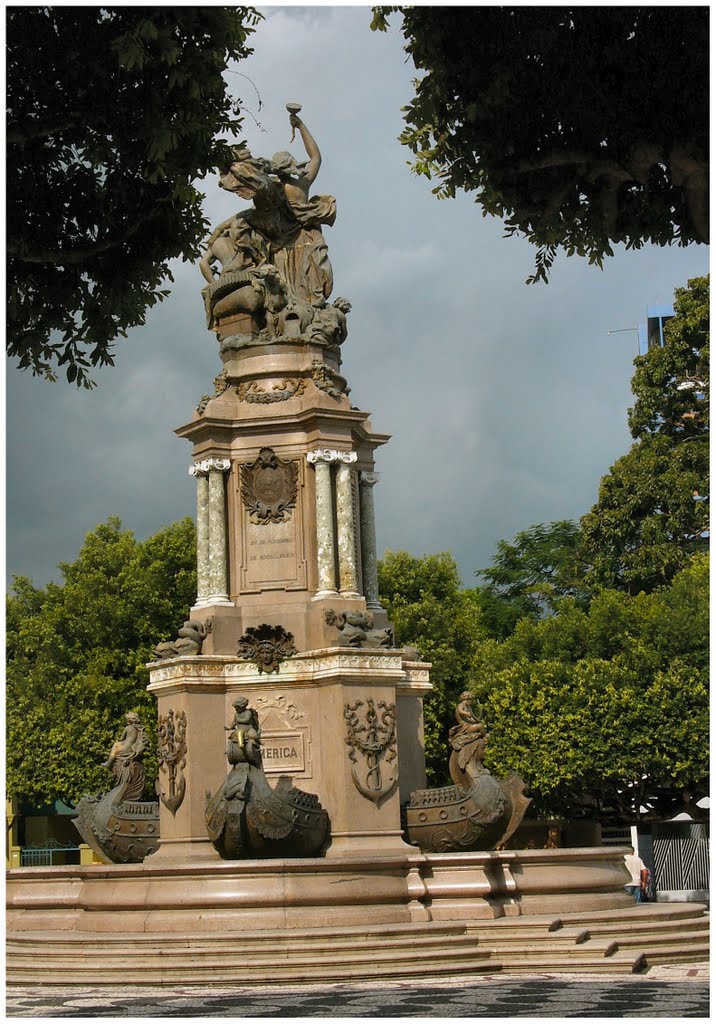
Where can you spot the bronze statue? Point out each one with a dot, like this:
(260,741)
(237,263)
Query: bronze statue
(128,748)
(468,740)
(246,818)
(478,812)
(118,825)
(244,735)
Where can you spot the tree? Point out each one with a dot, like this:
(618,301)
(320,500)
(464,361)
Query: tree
(580,126)
(605,712)
(429,609)
(76,653)
(529,574)
(651,514)
(112,115)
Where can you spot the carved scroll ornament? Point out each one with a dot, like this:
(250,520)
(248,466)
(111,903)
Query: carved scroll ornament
(269,488)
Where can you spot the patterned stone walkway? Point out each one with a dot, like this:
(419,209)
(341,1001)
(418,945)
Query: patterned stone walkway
(662,992)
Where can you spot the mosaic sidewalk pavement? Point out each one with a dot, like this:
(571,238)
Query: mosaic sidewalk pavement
(662,992)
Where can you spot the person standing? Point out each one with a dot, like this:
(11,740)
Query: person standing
(638,871)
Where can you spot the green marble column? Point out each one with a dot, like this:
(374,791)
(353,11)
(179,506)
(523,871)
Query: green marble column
(345,519)
(324,526)
(369,555)
(200,472)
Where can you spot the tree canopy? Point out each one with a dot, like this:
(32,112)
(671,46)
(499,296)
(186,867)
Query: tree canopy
(76,653)
(430,610)
(605,712)
(112,115)
(531,573)
(652,510)
(581,127)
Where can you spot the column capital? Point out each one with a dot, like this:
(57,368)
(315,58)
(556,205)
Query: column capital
(202,467)
(368,479)
(331,455)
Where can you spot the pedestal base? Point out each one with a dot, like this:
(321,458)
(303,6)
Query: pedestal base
(343,724)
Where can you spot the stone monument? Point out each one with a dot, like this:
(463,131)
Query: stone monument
(289,833)
(287,612)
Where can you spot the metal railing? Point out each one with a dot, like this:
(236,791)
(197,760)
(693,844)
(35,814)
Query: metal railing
(35,856)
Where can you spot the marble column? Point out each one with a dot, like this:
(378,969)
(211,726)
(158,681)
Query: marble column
(369,555)
(326,549)
(211,532)
(217,533)
(202,532)
(345,519)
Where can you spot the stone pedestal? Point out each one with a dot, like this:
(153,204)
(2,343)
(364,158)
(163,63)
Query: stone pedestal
(314,713)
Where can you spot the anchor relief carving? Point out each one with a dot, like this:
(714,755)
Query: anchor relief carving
(171,736)
(372,747)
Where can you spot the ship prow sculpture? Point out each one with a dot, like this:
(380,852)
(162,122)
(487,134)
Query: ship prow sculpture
(246,817)
(119,826)
(478,812)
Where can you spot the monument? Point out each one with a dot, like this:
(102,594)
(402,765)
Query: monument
(287,611)
(290,725)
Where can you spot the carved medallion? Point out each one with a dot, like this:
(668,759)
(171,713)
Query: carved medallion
(171,737)
(269,488)
(267,646)
(372,748)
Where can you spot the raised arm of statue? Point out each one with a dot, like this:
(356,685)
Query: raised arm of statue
(313,152)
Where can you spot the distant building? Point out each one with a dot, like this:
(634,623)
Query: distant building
(651,333)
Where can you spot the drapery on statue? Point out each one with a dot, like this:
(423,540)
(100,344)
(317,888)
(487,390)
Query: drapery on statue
(274,275)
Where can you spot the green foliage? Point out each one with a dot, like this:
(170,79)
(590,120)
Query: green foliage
(651,513)
(565,122)
(529,574)
(76,653)
(605,711)
(671,384)
(112,115)
(430,610)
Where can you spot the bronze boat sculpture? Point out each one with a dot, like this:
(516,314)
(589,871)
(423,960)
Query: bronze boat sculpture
(478,812)
(246,817)
(119,826)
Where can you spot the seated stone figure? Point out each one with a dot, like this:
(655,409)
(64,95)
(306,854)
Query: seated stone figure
(189,640)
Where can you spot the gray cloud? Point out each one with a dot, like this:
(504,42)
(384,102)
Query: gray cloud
(506,402)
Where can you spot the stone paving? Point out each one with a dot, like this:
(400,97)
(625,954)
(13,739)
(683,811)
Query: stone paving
(660,992)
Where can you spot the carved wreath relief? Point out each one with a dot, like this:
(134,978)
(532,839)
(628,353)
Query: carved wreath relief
(269,488)
(372,747)
(267,646)
(288,388)
(171,736)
